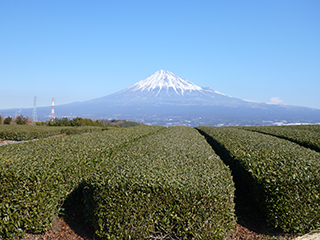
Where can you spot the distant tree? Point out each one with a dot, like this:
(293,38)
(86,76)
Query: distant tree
(78,121)
(88,122)
(65,122)
(98,123)
(59,122)
(52,122)
(38,123)
(0,119)
(20,120)
(75,122)
(7,120)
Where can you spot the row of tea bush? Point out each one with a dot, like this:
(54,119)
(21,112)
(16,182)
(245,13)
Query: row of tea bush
(172,182)
(36,177)
(24,132)
(281,176)
(305,135)
(136,181)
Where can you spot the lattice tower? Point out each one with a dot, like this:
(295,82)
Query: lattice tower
(34,112)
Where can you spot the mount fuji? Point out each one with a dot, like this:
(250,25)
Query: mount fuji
(163,88)
(166,99)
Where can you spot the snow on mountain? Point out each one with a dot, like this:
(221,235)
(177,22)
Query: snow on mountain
(214,91)
(165,80)
(165,88)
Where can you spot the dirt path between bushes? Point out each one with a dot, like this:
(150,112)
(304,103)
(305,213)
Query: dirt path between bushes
(61,230)
(79,230)
(6,142)
(310,236)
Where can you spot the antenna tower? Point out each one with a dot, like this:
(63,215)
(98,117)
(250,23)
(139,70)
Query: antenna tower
(52,110)
(34,112)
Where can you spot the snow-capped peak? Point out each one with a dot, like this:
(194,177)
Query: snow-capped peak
(164,80)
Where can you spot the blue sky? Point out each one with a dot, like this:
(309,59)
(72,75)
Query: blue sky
(264,51)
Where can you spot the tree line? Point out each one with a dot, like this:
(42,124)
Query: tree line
(78,121)
(66,122)
(75,122)
(19,120)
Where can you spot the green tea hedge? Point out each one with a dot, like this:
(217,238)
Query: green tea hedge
(312,127)
(281,176)
(168,183)
(307,136)
(36,177)
(24,132)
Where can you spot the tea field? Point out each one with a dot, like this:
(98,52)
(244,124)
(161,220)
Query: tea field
(178,181)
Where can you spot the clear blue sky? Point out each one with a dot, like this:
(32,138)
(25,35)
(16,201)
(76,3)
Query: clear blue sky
(80,50)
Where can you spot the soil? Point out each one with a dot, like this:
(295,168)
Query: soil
(5,142)
(61,230)
(78,229)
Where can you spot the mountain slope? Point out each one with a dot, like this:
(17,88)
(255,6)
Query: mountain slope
(163,87)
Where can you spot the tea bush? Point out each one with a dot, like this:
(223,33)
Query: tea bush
(36,177)
(307,136)
(23,132)
(171,182)
(281,176)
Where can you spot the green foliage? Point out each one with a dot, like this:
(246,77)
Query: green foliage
(75,122)
(315,128)
(58,122)
(1,119)
(148,179)
(41,123)
(21,120)
(129,124)
(22,132)
(7,120)
(152,178)
(281,176)
(35,177)
(170,182)
(79,130)
(120,123)
(305,135)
